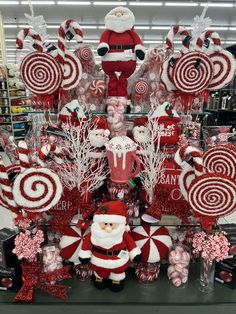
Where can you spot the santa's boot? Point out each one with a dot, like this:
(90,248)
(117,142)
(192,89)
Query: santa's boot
(100,283)
(116,286)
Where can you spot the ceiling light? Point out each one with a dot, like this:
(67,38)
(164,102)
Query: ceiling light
(74,2)
(23,26)
(38,2)
(91,40)
(102,27)
(146,3)
(218,28)
(10,40)
(153,41)
(181,4)
(160,27)
(232,28)
(53,26)
(89,26)
(215,4)
(110,2)
(9,2)
(231,42)
(142,27)
(10,25)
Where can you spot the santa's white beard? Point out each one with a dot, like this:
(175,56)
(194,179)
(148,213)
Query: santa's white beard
(106,240)
(120,24)
(140,134)
(97,141)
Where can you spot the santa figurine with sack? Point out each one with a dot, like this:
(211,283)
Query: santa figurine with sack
(109,247)
(119,48)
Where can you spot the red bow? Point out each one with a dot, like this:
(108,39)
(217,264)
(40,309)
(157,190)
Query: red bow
(34,278)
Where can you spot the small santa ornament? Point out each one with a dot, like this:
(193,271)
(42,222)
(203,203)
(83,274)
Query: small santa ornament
(167,118)
(119,47)
(140,130)
(72,113)
(99,133)
(109,247)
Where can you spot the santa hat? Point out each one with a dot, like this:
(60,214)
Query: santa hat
(99,123)
(165,112)
(72,113)
(111,212)
(142,121)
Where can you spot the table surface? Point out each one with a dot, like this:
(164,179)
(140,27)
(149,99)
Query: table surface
(134,298)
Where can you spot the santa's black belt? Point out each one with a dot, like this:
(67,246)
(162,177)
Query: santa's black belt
(106,252)
(121,47)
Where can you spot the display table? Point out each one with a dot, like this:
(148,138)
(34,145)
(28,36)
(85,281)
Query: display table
(159,297)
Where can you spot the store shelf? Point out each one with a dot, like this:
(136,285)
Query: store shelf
(18,114)
(19,121)
(5,114)
(18,97)
(14,130)
(18,137)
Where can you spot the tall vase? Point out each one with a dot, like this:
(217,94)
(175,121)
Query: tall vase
(207,274)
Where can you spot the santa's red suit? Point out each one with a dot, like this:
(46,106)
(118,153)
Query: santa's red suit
(119,47)
(109,256)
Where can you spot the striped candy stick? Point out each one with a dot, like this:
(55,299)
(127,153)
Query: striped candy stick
(38,44)
(209,34)
(6,188)
(63,29)
(23,152)
(46,150)
(178,30)
(193,152)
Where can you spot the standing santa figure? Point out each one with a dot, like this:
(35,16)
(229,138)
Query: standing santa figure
(119,47)
(109,247)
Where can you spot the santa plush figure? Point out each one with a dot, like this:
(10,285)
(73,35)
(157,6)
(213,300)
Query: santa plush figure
(140,130)
(72,113)
(109,247)
(167,118)
(119,48)
(99,133)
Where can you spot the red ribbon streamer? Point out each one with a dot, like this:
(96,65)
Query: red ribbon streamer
(34,278)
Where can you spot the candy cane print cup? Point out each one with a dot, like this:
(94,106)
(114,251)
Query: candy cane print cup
(121,154)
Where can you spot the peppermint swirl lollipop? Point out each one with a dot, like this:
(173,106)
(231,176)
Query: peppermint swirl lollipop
(97,87)
(37,189)
(221,159)
(213,195)
(141,87)
(85,54)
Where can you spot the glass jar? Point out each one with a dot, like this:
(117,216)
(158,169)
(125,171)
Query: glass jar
(207,275)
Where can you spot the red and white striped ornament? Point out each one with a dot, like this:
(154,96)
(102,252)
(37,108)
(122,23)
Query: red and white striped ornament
(224,62)
(49,149)
(177,30)
(141,87)
(213,195)
(71,242)
(6,195)
(23,153)
(25,32)
(85,53)
(37,189)
(97,88)
(154,242)
(221,159)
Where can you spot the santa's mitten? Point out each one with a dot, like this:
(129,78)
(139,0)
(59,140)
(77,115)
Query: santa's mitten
(102,51)
(84,261)
(137,258)
(140,54)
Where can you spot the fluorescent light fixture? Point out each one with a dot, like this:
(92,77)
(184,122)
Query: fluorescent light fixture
(142,27)
(14,49)
(23,26)
(181,4)
(88,26)
(231,42)
(153,41)
(10,25)
(110,3)
(215,4)
(160,27)
(218,28)
(10,40)
(232,28)
(91,40)
(73,2)
(9,2)
(38,2)
(156,4)
(101,27)
(52,26)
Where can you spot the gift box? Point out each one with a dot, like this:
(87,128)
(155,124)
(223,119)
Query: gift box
(10,278)
(230,230)
(225,273)
(7,258)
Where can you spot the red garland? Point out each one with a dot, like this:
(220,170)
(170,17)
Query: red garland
(34,278)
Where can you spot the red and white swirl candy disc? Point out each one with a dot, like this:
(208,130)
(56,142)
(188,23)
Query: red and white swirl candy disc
(97,87)
(224,69)
(153,241)
(221,159)
(41,74)
(193,72)
(85,53)
(213,195)
(37,189)
(72,71)
(141,87)
(71,242)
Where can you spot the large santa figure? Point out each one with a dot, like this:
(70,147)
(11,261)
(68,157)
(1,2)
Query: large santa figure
(109,247)
(119,47)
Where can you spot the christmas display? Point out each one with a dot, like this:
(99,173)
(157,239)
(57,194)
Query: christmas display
(114,175)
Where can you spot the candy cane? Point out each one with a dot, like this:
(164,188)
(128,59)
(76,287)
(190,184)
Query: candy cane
(209,34)
(6,188)
(45,151)
(193,152)
(183,32)
(23,152)
(38,44)
(65,26)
